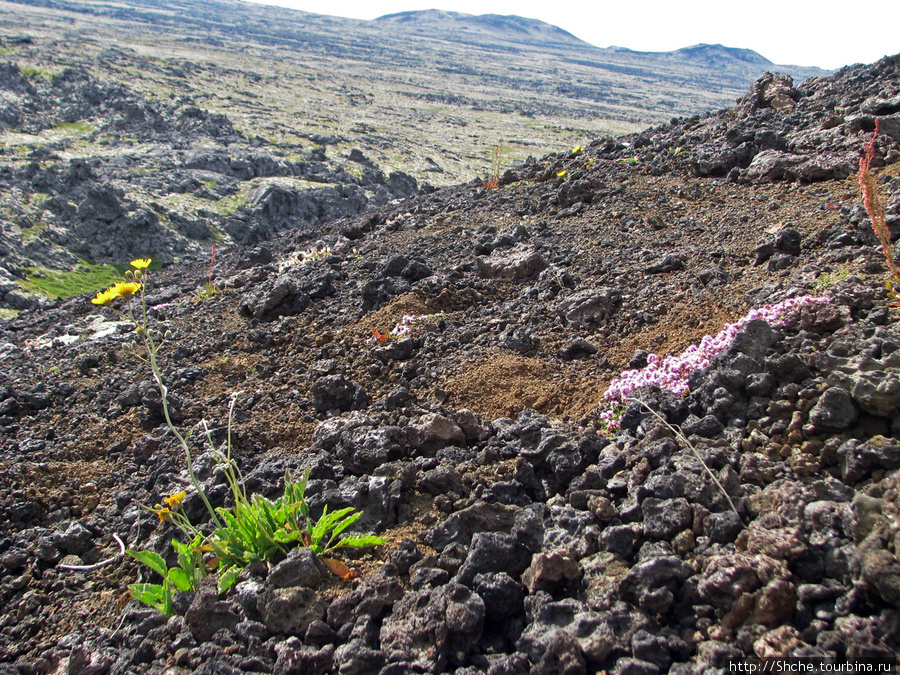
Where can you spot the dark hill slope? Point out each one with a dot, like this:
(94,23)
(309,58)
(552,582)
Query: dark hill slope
(518,538)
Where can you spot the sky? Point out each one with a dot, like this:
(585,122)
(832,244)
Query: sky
(787,32)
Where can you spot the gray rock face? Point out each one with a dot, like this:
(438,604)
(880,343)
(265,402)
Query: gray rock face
(490,551)
(302,567)
(770,91)
(876,565)
(576,634)
(290,611)
(548,570)
(590,306)
(280,297)
(432,627)
(664,518)
(874,383)
(462,525)
(653,583)
(858,460)
(749,588)
(75,539)
(295,658)
(834,411)
(363,449)
(102,203)
(516,264)
(279,208)
(207,614)
(335,392)
(433,431)
(668,263)
(370,599)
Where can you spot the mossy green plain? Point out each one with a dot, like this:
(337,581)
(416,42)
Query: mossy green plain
(88,277)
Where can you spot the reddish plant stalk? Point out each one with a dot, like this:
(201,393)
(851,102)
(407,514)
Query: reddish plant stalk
(212,262)
(875,209)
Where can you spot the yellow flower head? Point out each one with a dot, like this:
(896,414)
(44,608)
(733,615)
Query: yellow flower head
(561,173)
(577,149)
(140,263)
(174,500)
(164,514)
(124,289)
(104,297)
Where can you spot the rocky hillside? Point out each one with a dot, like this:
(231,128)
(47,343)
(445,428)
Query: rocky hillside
(426,93)
(155,178)
(753,516)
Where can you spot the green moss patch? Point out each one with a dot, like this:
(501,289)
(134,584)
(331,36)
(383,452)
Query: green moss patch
(75,128)
(85,278)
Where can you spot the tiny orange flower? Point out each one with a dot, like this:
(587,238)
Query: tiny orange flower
(174,500)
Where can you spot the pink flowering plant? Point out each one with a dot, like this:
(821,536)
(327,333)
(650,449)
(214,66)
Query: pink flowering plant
(406,326)
(672,372)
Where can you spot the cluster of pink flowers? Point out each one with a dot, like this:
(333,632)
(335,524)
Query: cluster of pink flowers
(672,372)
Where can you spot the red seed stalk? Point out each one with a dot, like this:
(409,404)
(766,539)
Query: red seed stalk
(875,208)
(493,182)
(212,262)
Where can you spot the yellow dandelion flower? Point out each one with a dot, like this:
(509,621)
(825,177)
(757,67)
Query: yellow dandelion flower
(561,173)
(104,297)
(123,289)
(164,514)
(174,500)
(577,149)
(140,263)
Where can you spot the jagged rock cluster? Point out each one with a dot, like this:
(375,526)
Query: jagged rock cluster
(519,539)
(777,131)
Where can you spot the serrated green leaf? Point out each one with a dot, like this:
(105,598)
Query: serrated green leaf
(149,594)
(227,579)
(152,560)
(344,524)
(154,595)
(180,579)
(327,521)
(358,541)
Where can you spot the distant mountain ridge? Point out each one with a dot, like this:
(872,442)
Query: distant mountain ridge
(464,28)
(517,27)
(709,53)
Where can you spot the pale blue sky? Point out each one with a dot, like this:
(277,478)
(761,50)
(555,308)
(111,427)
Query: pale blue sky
(828,35)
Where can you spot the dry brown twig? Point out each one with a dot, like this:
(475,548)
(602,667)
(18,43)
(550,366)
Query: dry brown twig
(684,439)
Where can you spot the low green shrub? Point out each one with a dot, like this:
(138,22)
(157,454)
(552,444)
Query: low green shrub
(255,528)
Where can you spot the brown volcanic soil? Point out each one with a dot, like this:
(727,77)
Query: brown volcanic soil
(83,443)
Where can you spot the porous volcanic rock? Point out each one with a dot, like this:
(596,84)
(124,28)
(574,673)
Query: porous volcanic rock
(751,515)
